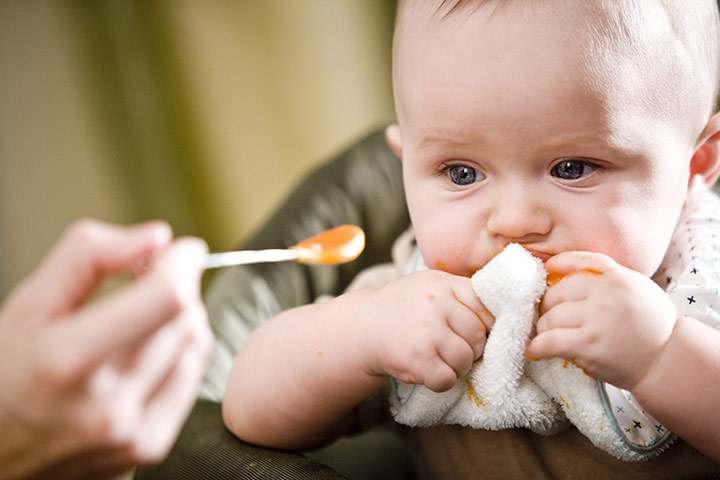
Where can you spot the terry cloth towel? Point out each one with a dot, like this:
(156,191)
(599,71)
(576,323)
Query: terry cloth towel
(503,390)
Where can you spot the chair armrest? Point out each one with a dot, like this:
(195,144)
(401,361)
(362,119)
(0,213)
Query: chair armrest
(206,450)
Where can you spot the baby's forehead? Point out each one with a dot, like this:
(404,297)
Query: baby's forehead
(663,53)
(600,27)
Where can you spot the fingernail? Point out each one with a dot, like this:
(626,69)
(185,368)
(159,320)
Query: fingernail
(197,247)
(199,251)
(161,231)
(199,243)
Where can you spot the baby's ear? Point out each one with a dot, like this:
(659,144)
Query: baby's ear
(706,159)
(394,140)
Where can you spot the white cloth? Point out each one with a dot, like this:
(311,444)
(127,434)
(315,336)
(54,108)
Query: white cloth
(496,393)
(504,391)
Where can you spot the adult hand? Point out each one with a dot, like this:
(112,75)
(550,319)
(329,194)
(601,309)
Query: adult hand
(91,389)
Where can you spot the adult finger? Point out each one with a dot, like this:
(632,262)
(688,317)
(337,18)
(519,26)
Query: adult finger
(159,361)
(138,383)
(130,315)
(572,288)
(559,342)
(165,413)
(88,251)
(563,315)
(156,359)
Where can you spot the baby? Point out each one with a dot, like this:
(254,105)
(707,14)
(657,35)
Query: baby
(573,128)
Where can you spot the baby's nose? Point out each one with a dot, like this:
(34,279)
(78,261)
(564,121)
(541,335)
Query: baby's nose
(519,216)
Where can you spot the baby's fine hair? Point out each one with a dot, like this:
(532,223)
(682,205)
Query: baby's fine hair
(695,23)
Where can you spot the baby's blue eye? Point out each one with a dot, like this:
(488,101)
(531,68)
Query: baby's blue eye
(572,169)
(462,174)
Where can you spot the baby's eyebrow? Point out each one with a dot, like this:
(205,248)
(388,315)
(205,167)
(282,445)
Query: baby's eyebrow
(445,139)
(616,145)
(592,144)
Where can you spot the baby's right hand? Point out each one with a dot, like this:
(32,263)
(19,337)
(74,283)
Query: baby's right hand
(426,328)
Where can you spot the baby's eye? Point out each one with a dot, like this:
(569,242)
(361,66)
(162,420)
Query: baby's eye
(573,169)
(462,174)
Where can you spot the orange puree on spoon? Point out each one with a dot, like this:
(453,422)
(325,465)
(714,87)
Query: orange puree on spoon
(337,245)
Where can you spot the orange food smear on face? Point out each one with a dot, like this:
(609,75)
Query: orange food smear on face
(555,277)
(444,267)
(472,271)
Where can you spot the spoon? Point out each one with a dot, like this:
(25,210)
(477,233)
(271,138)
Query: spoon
(338,245)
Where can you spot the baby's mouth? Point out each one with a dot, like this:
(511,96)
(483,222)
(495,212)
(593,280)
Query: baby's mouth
(543,256)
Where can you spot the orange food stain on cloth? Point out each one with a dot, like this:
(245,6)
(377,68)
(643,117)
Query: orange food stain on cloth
(473,395)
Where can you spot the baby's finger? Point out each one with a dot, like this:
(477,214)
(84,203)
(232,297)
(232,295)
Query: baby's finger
(438,376)
(463,292)
(563,315)
(457,354)
(559,342)
(563,264)
(573,288)
(466,325)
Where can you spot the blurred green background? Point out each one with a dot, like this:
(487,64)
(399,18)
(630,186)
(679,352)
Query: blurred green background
(204,113)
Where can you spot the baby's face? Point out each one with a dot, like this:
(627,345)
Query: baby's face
(515,130)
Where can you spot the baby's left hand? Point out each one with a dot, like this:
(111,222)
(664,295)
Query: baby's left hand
(614,323)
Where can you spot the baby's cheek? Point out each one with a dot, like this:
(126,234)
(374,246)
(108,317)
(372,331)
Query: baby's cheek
(450,258)
(640,256)
(644,258)
(447,244)
(456,268)
(637,236)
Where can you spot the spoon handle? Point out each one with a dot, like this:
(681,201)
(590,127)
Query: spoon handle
(244,257)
